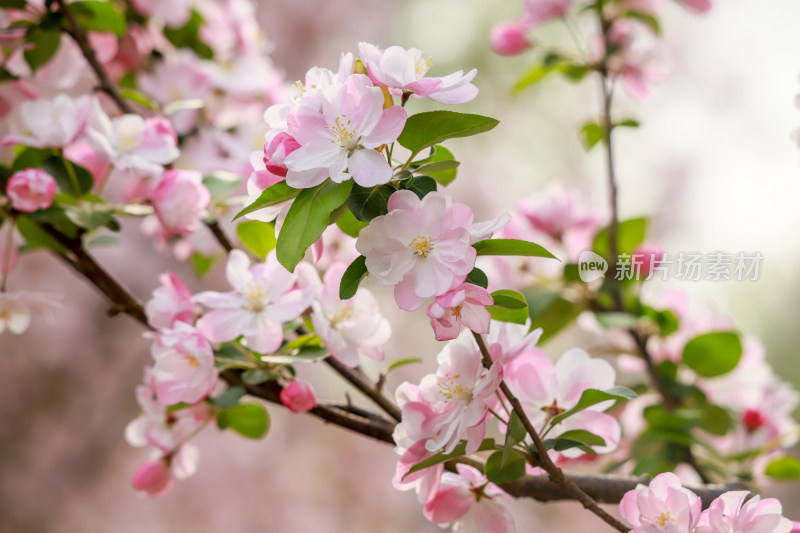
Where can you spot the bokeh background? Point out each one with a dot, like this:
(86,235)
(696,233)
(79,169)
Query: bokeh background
(714,164)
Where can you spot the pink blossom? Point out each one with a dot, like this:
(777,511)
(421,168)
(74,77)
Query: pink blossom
(540,11)
(264,296)
(509,38)
(16,309)
(342,136)
(546,390)
(507,341)
(174,14)
(349,328)
(663,506)
(153,477)
(731,514)
(180,201)
(451,404)
(636,58)
(133,144)
(405,70)
(422,247)
(184,370)
(464,304)
(276,151)
(171,303)
(51,123)
(468,497)
(645,258)
(426,481)
(81,153)
(298,396)
(700,6)
(31,189)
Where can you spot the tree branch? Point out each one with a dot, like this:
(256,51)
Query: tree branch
(78,34)
(556,475)
(222,239)
(360,381)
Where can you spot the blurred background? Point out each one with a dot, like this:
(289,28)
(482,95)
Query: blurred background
(714,164)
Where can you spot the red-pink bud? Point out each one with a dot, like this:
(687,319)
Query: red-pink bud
(298,397)
(509,38)
(153,477)
(31,189)
(645,258)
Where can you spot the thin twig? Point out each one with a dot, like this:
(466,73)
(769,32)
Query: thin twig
(222,239)
(357,378)
(556,475)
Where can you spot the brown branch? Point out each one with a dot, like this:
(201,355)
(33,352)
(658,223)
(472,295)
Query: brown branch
(356,378)
(543,460)
(78,34)
(222,239)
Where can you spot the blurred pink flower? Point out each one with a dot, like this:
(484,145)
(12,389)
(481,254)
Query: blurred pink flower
(663,506)
(16,309)
(405,70)
(349,328)
(174,13)
(507,341)
(731,514)
(51,123)
(509,38)
(153,477)
(465,304)
(422,247)
(540,11)
(700,6)
(265,295)
(180,200)
(171,303)
(342,136)
(468,496)
(426,481)
(184,369)
(298,396)
(31,189)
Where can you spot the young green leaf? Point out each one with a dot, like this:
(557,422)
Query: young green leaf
(509,299)
(247,419)
(713,354)
(307,218)
(258,237)
(352,277)
(272,195)
(591,134)
(443,176)
(45,43)
(433,127)
(511,247)
(98,15)
(477,277)
(786,468)
(459,451)
(229,398)
(499,471)
(592,397)
(630,234)
(349,224)
(367,203)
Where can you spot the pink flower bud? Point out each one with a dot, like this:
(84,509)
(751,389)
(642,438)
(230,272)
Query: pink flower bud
(180,201)
(700,6)
(509,38)
(298,397)
(153,477)
(645,258)
(31,189)
(276,151)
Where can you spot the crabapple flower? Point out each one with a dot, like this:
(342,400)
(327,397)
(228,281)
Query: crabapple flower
(700,6)
(275,153)
(184,369)
(171,303)
(174,14)
(264,296)
(180,200)
(133,144)
(663,506)
(342,136)
(540,11)
(153,477)
(422,247)
(16,309)
(31,189)
(426,481)
(51,123)
(451,404)
(405,70)
(349,328)
(509,38)
(467,497)
(635,58)
(298,396)
(465,304)
(546,390)
(507,341)
(731,514)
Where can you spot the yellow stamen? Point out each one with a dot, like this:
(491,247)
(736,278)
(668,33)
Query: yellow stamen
(421,245)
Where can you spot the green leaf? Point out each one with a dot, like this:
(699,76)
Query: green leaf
(561,445)
(229,398)
(36,237)
(69,175)
(515,433)
(352,277)
(584,437)
(647,19)
(498,471)
(90,216)
(630,234)
(511,247)
(477,277)
(272,195)
(45,43)
(433,127)
(443,176)
(628,123)
(247,419)
(202,263)
(549,311)
(509,299)
(349,224)
(307,218)
(257,376)
(97,15)
(306,354)
(420,185)
(786,468)
(715,420)
(591,134)
(367,203)
(617,320)
(12,4)
(221,184)
(403,362)
(504,314)
(189,36)
(459,451)
(138,97)
(258,237)
(31,158)
(592,397)
(533,76)
(713,354)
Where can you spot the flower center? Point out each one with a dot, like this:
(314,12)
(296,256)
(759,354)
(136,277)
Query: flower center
(421,245)
(341,314)
(343,133)
(456,311)
(450,389)
(422,65)
(663,518)
(192,361)
(256,298)
(553,409)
